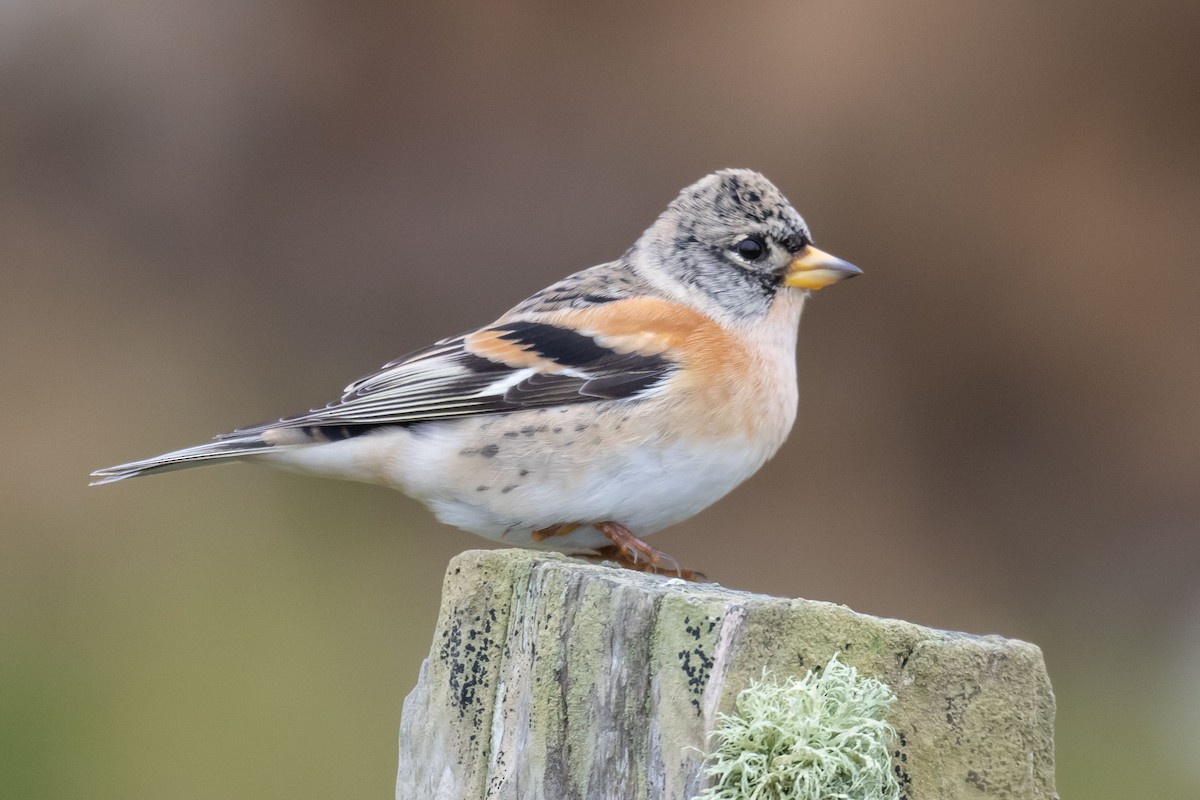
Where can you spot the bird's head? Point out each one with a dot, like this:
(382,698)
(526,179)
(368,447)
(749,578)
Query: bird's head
(735,237)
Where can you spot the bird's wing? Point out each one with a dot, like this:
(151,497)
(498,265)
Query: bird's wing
(508,366)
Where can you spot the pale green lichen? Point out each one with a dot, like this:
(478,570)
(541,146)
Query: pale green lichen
(820,737)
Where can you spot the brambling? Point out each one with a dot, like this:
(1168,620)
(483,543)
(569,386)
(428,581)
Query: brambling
(620,400)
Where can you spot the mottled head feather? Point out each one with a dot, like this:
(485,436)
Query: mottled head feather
(695,238)
(728,201)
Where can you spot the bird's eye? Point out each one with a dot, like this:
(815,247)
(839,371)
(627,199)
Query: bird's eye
(752,248)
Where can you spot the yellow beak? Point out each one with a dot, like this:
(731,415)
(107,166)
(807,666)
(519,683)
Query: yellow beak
(814,269)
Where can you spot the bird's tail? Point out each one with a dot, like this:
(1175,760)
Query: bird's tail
(233,447)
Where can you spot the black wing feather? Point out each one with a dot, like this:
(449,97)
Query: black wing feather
(446,381)
(561,345)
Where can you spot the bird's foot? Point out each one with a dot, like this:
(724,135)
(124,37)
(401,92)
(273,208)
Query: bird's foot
(632,553)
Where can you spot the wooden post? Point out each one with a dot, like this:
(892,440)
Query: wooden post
(550,678)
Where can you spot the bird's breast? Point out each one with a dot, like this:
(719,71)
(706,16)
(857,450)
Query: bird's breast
(740,383)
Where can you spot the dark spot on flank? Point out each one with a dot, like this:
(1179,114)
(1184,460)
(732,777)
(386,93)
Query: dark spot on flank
(580,427)
(509,488)
(490,451)
(558,430)
(511,434)
(523,473)
(481,488)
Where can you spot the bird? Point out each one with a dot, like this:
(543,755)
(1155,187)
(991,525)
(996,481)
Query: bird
(619,401)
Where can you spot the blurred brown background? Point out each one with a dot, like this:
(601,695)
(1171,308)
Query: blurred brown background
(212,213)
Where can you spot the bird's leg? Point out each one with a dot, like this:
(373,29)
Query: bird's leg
(632,553)
(561,529)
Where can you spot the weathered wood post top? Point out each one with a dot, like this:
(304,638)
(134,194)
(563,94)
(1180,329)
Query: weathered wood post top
(552,678)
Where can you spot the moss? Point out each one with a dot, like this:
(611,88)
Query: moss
(823,736)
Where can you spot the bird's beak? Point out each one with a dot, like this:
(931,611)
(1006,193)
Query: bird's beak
(814,269)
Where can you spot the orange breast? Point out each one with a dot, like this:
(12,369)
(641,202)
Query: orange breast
(734,380)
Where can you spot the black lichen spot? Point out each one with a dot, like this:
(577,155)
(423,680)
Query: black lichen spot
(466,650)
(695,661)
(490,451)
(899,766)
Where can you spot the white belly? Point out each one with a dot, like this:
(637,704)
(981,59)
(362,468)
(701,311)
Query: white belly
(571,468)
(645,490)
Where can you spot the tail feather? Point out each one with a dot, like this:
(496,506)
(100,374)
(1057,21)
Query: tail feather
(222,450)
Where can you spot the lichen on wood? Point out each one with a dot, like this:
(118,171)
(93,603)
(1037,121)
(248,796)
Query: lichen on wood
(551,678)
(821,736)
